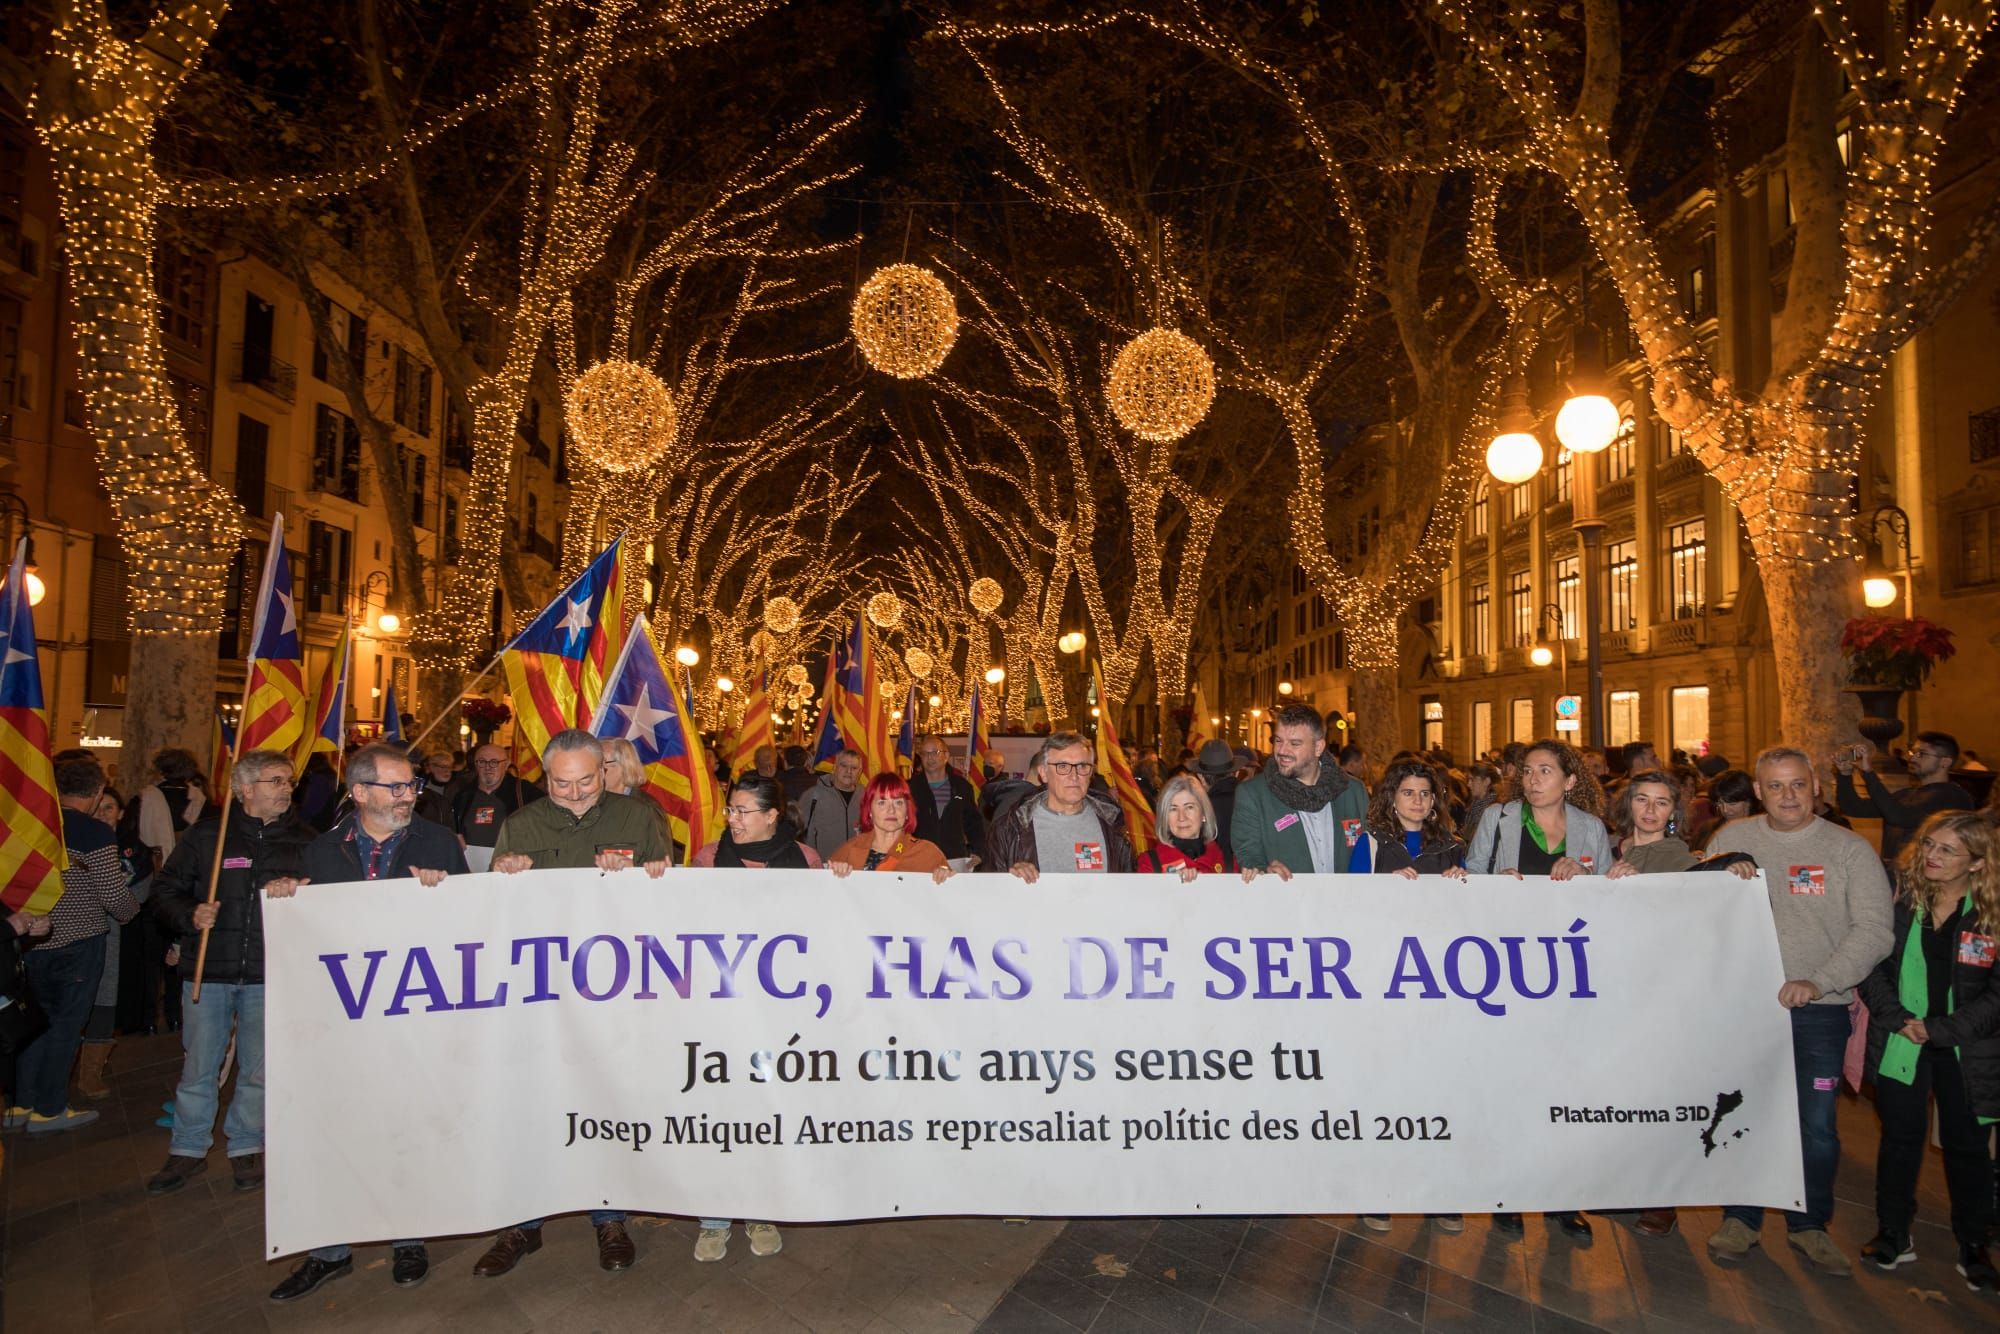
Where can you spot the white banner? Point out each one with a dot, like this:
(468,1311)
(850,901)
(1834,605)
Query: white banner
(782,1045)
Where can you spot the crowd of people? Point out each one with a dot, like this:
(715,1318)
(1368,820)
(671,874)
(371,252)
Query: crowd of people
(1909,929)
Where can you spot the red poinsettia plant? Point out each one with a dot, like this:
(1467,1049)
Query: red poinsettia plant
(1894,651)
(480,712)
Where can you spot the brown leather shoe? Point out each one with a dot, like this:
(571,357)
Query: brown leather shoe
(507,1250)
(1657,1222)
(614,1247)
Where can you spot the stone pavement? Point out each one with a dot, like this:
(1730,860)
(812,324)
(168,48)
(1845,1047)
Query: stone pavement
(82,1247)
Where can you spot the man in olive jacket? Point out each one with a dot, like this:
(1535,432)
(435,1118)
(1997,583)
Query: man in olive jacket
(266,840)
(1301,815)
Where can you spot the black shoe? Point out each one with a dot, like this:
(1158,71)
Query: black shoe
(412,1263)
(175,1174)
(1886,1250)
(1508,1224)
(1978,1269)
(248,1170)
(1575,1225)
(309,1275)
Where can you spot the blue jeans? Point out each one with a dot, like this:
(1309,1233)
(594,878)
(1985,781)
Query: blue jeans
(598,1218)
(333,1255)
(1819,1049)
(205,1037)
(65,983)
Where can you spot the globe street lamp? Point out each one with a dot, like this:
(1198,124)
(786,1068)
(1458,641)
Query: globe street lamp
(1878,583)
(1515,454)
(12,504)
(1072,642)
(1587,422)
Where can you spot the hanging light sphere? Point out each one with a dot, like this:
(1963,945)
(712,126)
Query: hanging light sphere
(763,644)
(995,675)
(724,684)
(986,595)
(936,700)
(905,321)
(1162,384)
(687,656)
(796,674)
(885,609)
(918,661)
(1541,655)
(1072,642)
(781,615)
(1514,457)
(1587,423)
(1876,590)
(621,416)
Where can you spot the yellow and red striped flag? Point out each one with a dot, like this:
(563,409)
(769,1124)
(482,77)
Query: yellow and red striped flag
(1117,771)
(977,743)
(32,855)
(1198,723)
(641,705)
(755,730)
(274,696)
(556,667)
(859,708)
(329,729)
(221,752)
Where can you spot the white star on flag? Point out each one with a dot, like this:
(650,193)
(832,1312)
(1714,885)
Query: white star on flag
(576,620)
(291,625)
(642,720)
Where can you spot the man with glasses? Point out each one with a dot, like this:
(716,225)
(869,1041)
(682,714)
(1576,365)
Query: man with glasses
(381,839)
(1902,810)
(1067,826)
(266,840)
(482,805)
(578,824)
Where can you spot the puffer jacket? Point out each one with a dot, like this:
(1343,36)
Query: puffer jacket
(253,854)
(1973,1026)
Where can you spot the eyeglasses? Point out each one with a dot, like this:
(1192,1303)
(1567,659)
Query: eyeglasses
(1944,849)
(490,764)
(745,812)
(1927,752)
(278,778)
(1081,768)
(409,789)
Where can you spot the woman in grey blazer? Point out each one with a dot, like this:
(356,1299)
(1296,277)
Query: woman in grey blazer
(1553,826)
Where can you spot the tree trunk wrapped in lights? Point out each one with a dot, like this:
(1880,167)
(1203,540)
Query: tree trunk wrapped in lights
(1785,453)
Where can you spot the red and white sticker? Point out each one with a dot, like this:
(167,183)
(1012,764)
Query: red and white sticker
(1090,856)
(1975,950)
(484,815)
(1806,880)
(1351,831)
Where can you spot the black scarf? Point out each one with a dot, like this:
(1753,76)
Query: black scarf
(1190,848)
(1299,796)
(778,850)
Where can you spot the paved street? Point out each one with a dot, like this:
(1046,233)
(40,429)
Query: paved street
(84,1248)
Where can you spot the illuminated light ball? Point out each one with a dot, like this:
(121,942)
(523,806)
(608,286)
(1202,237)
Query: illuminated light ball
(1161,385)
(1284,687)
(621,416)
(796,674)
(1514,457)
(1072,642)
(724,684)
(986,595)
(763,644)
(1587,423)
(1876,590)
(918,661)
(995,675)
(885,609)
(1540,655)
(686,656)
(781,615)
(905,321)
(936,700)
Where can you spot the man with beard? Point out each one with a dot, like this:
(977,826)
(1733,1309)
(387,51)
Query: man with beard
(1301,814)
(382,838)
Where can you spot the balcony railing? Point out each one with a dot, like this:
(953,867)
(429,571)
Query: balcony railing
(534,544)
(1615,493)
(256,366)
(261,503)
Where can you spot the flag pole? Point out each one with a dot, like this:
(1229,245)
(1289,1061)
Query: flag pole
(221,837)
(456,700)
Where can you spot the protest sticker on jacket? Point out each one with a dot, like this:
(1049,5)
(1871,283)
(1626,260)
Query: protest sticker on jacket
(783,1045)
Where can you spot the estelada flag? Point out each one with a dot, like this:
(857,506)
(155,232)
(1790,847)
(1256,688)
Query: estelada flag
(858,703)
(556,667)
(640,704)
(1117,771)
(906,736)
(392,717)
(828,740)
(274,696)
(221,751)
(755,730)
(32,855)
(329,729)
(976,745)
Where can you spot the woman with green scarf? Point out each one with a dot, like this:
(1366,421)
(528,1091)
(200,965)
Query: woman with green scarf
(1934,1029)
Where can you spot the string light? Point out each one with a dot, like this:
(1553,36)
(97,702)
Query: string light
(885,609)
(905,321)
(621,416)
(781,616)
(985,595)
(919,662)
(1161,385)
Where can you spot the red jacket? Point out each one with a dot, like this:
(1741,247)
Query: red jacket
(1167,857)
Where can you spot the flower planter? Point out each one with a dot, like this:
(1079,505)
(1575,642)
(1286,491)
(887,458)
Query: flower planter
(1881,709)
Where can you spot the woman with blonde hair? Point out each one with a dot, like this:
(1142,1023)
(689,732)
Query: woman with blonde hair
(1934,1031)
(1185,832)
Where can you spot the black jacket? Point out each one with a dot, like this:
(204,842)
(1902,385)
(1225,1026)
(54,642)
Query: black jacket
(261,852)
(1222,796)
(957,828)
(1973,1026)
(1013,837)
(335,858)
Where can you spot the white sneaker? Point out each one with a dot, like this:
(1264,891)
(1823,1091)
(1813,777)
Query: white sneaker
(764,1238)
(1376,1222)
(712,1244)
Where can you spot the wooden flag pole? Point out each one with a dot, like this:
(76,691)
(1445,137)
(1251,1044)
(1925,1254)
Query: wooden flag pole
(457,699)
(221,837)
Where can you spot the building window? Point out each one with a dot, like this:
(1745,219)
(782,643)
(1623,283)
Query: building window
(353,331)
(1697,300)
(1687,725)
(1478,628)
(1565,477)
(1476,520)
(1340,650)
(1523,720)
(1979,546)
(182,282)
(1621,591)
(1983,434)
(450,529)
(328,556)
(1520,610)
(1433,709)
(412,396)
(253,457)
(1687,568)
(1621,720)
(1677,441)
(1519,499)
(336,454)
(1482,728)
(1299,620)
(1569,595)
(1618,458)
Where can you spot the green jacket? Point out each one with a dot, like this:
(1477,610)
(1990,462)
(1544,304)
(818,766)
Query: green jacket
(555,838)
(1264,829)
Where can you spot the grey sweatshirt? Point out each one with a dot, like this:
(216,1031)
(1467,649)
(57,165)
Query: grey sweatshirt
(1829,899)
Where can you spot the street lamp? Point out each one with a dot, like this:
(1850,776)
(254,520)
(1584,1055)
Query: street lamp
(1515,454)
(1878,583)
(995,675)
(1541,655)
(686,656)
(10,503)
(378,581)
(1587,423)
(725,685)
(1072,642)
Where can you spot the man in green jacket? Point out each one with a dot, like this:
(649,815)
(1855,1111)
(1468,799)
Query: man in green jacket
(1300,815)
